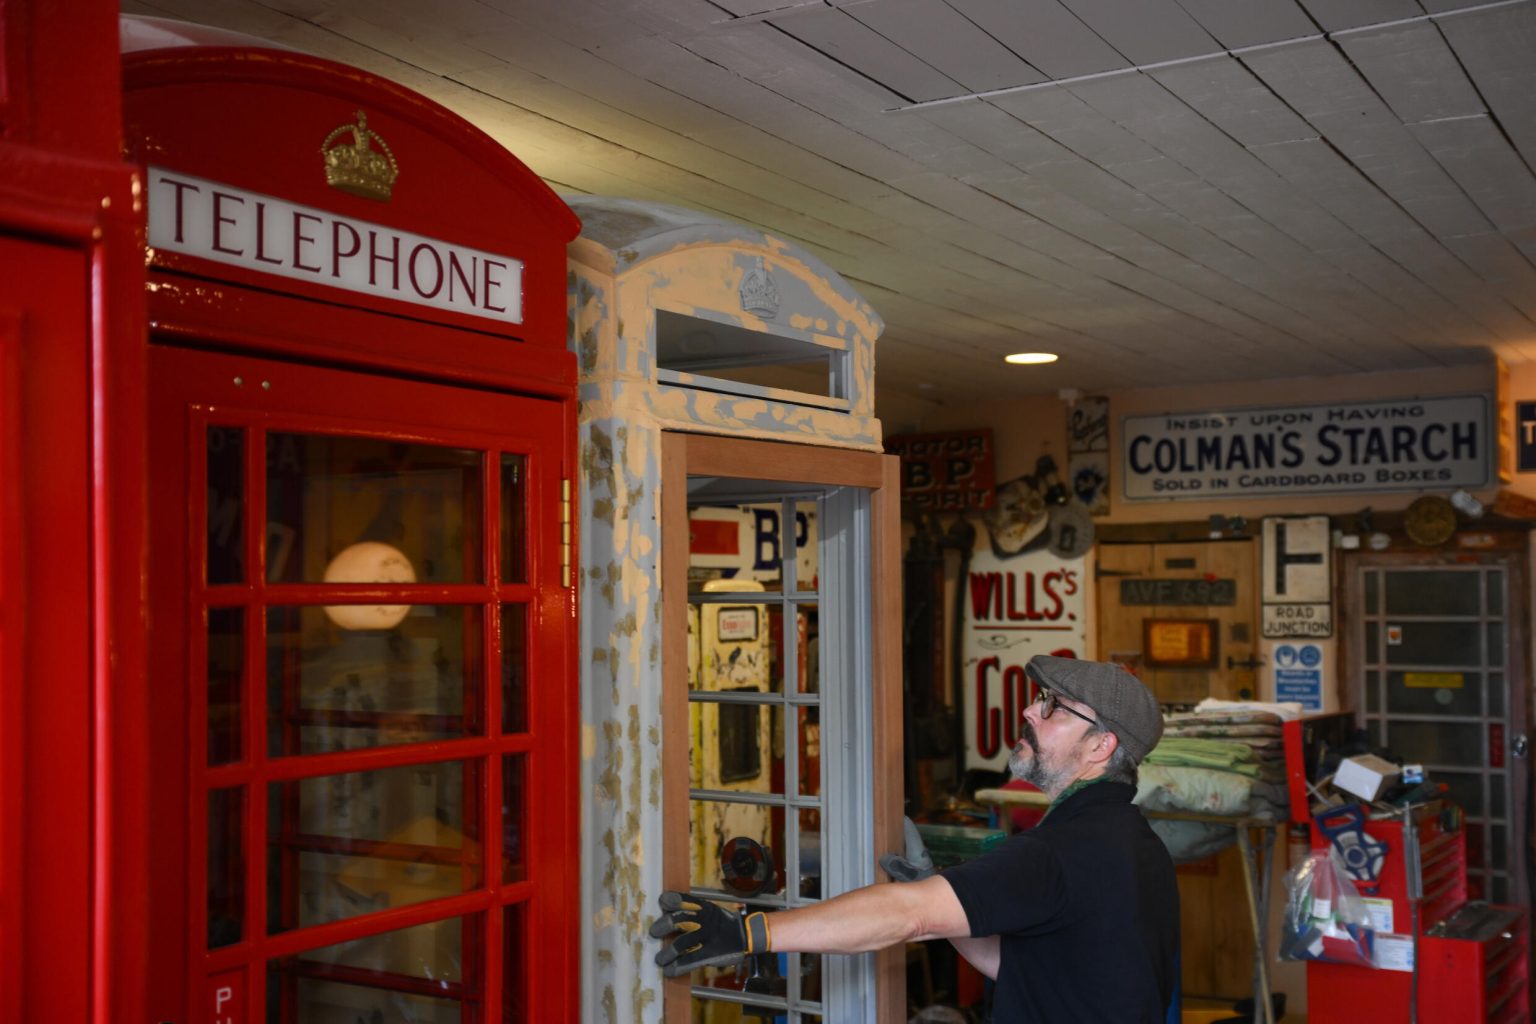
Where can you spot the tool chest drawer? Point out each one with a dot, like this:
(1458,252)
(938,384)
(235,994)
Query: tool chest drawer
(1474,966)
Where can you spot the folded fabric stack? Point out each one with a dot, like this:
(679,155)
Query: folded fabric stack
(1226,763)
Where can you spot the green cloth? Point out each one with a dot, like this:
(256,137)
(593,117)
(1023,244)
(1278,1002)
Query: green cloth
(1079,784)
(1197,753)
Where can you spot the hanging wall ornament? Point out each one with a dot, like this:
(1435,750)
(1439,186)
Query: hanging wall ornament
(1071,530)
(1430,521)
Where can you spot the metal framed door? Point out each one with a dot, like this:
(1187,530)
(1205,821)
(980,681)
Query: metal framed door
(1437,665)
(362,617)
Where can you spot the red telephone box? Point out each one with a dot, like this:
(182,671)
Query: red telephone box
(361,657)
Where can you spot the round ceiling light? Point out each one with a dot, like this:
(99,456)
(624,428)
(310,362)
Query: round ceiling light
(1031,357)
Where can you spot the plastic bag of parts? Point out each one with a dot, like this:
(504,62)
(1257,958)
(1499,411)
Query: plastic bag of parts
(1325,918)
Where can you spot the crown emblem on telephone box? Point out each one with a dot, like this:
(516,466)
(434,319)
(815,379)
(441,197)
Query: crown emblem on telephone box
(358,168)
(758,293)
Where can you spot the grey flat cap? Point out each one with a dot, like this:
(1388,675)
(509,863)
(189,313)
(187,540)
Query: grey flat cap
(1120,700)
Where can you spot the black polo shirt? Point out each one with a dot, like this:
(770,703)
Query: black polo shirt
(1087,907)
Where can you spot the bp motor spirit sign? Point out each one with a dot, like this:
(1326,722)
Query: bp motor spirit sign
(1015,608)
(1405,445)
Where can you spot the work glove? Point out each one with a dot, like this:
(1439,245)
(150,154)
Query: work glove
(709,934)
(916,864)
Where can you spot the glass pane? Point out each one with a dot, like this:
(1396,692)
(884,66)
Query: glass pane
(810,855)
(1372,643)
(226,867)
(1435,693)
(413,974)
(1499,889)
(1437,643)
(514,668)
(734,746)
(810,750)
(734,647)
(1495,592)
(1466,789)
(1498,846)
(1495,693)
(1373,691)
(226,671)
(727,847)
(1443,743)
(226,505)
(344,845)
(803,649)
(514,972)
(514,519)
(366,510)
(1434,592)
(1475,847)
(330,688)
(1496,643)
(1371,588)
(1497,807)
(1373,731)
(514,803)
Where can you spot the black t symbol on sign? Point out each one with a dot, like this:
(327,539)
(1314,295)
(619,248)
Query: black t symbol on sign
(1284,558)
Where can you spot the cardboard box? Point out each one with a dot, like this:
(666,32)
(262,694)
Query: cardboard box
(1365,776)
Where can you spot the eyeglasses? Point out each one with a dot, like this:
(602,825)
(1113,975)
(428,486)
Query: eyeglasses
(1049,703)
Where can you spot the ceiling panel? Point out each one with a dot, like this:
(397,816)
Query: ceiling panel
(1310,204)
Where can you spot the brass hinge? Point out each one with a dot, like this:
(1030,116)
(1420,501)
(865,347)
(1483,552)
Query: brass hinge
(565,533)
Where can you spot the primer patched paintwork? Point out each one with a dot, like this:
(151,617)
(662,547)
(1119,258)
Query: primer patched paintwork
(631,259)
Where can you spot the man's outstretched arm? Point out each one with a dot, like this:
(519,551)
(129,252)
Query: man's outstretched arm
(873,917)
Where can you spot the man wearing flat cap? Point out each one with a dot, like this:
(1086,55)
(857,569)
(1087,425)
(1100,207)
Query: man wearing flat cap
(1076,919)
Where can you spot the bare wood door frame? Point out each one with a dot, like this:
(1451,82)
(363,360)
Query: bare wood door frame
(684,455)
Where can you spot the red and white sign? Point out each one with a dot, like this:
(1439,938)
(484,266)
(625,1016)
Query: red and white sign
(1015,608)
(218,222)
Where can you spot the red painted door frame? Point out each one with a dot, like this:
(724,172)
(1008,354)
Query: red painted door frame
(191,390)
(73,839)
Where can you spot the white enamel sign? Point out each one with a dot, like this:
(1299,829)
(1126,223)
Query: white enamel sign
(229,225)
(1406,445)
(1296,581)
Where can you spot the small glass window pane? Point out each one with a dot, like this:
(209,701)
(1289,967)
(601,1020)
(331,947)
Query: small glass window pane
(1437,643)
(734,746)
(362,510)
(1434,592)
(1495,691)
(1373,691)
(514,668)
(330,688)
(1495,592)
(1371,588)
(1498,846)
(350,844)
(226,672)
(1442,743)
(226,505)
(1372,643)
(1496,643)
(734,647)
(514,519)
(226,867)
(514,818)
(514,974)
(810,856)
(810,751)
(725,840)
(413,974)
(1435,693)
(1466,790)
(1497,807)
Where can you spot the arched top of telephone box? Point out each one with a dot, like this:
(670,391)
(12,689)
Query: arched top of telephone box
(634,231)
(275,170)
(725,329)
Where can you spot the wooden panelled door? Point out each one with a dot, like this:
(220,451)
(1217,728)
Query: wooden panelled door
(1193,580)
(365,715)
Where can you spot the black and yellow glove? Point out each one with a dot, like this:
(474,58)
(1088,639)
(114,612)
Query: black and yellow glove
(708,934)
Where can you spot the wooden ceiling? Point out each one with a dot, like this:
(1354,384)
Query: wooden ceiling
(1162,191)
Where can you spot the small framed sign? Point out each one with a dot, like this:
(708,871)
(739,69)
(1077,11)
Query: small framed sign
(1180,643)
(737,624)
